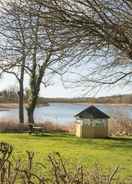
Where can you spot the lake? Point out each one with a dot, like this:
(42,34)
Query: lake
(63,113)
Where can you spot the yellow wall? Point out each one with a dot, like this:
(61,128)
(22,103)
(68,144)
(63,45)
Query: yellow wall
(78,130)
(89,129)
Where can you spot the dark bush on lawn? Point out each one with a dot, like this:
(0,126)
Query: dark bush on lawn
(12,172)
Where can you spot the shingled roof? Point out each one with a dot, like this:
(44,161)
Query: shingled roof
(92,112)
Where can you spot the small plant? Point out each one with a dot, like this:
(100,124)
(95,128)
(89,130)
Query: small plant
(16,173)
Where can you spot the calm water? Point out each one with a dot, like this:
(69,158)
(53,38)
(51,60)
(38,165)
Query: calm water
(64,113)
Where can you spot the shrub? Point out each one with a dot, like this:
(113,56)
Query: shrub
(16,173)
(52,127)
(11,126)
(120,127)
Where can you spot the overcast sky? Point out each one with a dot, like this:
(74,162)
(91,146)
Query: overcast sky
(57,90)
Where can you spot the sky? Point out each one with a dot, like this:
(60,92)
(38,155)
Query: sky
(58,90)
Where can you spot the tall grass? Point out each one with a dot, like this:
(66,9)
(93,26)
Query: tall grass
(117,127)
(11,126)
(120,126)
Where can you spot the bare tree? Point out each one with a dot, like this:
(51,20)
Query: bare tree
(97,29)
(44,58)
(35,48)
(13,46)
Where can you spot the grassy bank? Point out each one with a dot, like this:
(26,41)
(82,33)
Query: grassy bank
(107,152)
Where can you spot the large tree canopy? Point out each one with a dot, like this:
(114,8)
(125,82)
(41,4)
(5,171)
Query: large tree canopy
(97,29)
(29,45)
(93,35)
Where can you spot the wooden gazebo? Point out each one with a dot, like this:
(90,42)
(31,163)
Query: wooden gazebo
(91,123)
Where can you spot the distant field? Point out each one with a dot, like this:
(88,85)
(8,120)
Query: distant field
(107,152)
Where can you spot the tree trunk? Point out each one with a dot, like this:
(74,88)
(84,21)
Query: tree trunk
(31,108)
(21,99)
(21,92)
(30,114)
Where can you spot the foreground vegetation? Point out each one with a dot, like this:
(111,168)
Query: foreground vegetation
(108,153)
(15,172)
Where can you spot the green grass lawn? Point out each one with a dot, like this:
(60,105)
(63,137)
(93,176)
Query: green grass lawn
(107,152)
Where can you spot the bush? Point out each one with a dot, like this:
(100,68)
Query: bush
(16,173)
(52,127)
(120,127)
(11,126)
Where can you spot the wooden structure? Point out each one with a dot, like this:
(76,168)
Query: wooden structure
(35,129)
(92,123)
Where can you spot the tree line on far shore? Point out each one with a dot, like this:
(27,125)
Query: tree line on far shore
(11,96)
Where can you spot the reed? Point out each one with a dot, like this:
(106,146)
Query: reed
(12,126)
(121,127)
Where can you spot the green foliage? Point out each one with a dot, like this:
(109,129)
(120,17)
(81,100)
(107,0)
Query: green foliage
(107,152)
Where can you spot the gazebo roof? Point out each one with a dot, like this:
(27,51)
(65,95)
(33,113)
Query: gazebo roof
(92,112)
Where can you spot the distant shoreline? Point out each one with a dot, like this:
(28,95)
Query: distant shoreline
(7,106)
(109,104)
(9,101)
